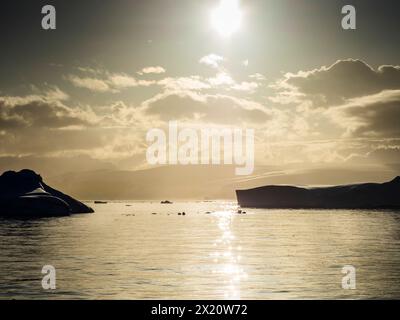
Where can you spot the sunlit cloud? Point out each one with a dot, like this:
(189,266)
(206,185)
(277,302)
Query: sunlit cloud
(222,78)
(184,83)
(257,76)
(246,86)
(154,70)
(92,84)
(107,82)
(212,60)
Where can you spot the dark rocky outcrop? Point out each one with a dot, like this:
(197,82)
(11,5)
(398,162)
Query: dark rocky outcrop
(357,196)
(166,202)
(24,194)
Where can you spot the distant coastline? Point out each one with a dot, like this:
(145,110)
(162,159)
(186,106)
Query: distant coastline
(356,196)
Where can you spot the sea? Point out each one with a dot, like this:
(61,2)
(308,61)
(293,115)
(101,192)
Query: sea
(148,250)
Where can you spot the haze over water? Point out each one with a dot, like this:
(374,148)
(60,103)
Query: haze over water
(127,252)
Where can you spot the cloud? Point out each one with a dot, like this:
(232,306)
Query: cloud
(46,111)
(359,100)
(212,60)
(385,152)
(375,115)
(43,126)
(222,78)
(47,123)
(332,85)
(42,123)
(184,83)
(121,81)
(154,70)
(389,154)
(49,141)
(91,84)
(221,81)
(246,86)
(257,76)
(103,81)
(205,107)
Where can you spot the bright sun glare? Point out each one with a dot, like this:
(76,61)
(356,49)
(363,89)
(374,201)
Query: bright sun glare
(227,18)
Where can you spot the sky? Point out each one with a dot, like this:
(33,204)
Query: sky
(83,96)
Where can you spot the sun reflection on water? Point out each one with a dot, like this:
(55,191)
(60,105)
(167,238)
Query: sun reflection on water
(227,254)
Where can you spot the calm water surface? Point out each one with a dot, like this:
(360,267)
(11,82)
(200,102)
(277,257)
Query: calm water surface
(127,252)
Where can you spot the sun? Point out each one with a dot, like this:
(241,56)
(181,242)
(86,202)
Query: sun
(227,18)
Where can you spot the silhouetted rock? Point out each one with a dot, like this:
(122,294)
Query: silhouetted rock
(24,194)
(166,202)
(357,196)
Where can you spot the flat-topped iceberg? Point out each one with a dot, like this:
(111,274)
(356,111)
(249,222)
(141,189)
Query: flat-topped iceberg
(356,196)
(24,194)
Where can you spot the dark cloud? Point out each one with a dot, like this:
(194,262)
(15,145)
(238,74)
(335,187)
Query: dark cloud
(16,113)
(343,80)
(40,124)
(210,108)
(362,100)
(376,115)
